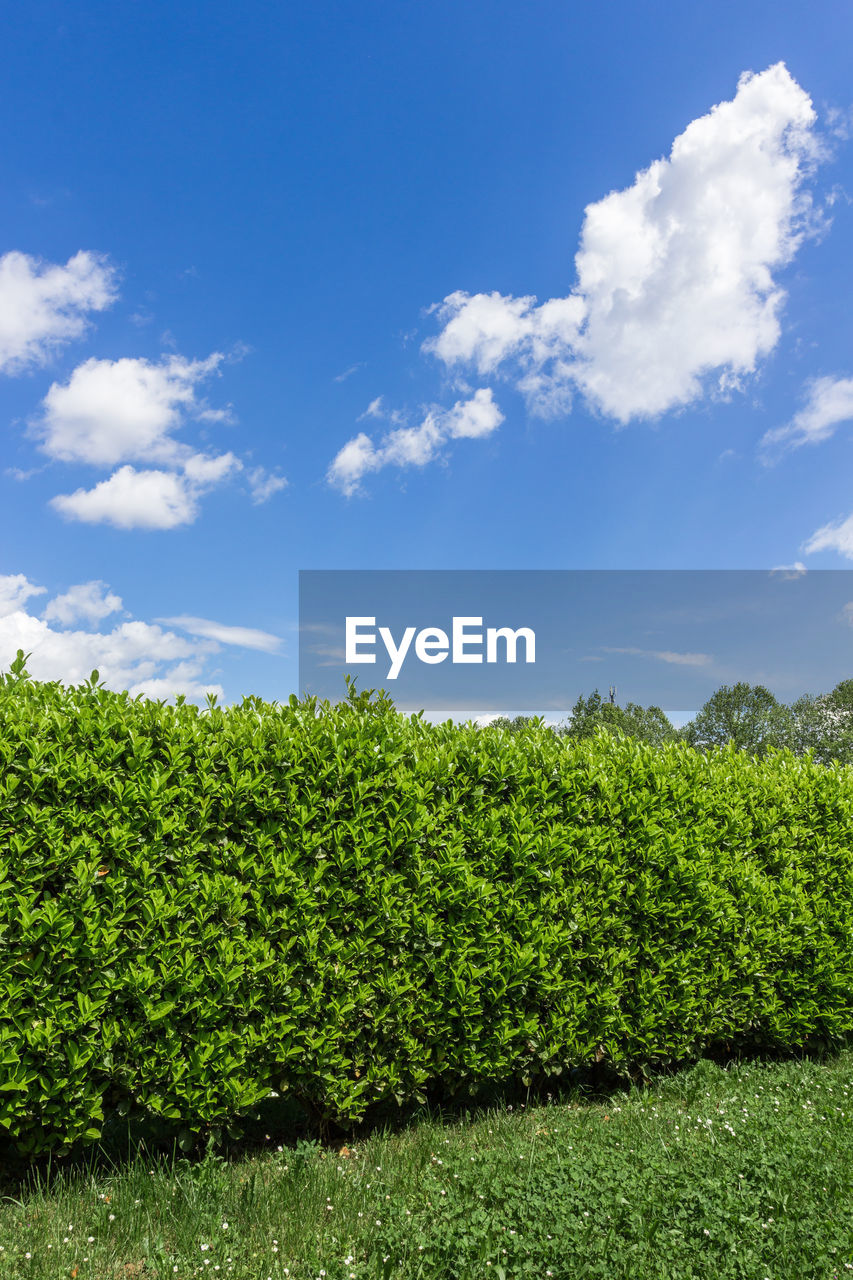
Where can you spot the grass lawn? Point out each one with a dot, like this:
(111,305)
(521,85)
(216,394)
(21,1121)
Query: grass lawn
(745,1172)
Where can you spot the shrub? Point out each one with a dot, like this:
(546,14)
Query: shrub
(198,906)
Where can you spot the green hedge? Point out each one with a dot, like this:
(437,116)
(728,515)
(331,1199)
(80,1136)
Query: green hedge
(198,906)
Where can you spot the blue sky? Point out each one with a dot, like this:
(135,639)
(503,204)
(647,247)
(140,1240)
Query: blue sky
(407,286)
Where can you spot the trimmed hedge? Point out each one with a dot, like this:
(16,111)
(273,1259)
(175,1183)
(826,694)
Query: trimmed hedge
(198,906)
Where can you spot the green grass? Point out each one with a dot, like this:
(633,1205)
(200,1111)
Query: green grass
(745,1172)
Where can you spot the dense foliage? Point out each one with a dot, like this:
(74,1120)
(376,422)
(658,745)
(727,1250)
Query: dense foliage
(198,906)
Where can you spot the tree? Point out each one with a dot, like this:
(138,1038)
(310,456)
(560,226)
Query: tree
(646,724)
(747,715)
(824,725)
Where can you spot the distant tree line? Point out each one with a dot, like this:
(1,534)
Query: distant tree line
(747,715)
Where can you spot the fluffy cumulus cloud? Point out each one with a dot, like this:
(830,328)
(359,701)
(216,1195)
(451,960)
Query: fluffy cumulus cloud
(89,601)
(113,411)
(414,446)
(486,330)
(144,658)
(43,305)
(118,415)
(131,499)
(829,403)
(133,655)
(675,294)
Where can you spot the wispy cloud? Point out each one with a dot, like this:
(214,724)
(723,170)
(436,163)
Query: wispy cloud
(835,536)
(664,655)
(223,633)
(264,484)
(414,446)
(829,403)
(373,410)
(789,572)
(347,373)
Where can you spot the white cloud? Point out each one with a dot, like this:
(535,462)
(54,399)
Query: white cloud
(788,572)
(472,419)
(373,410)
(245,637)
(113,411)
(485,330)
(131,499)
(264,484)
(215,415)
(134,655)
(347,373)
(203,471)
(139,656)
(675,293)
(353,461)
(667,655)
(183,679)
(414,446)
(833,537)
(43,306)
(21,474)
(15,590)
(90,601)
(840,123)
(411,446)
(829,403)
